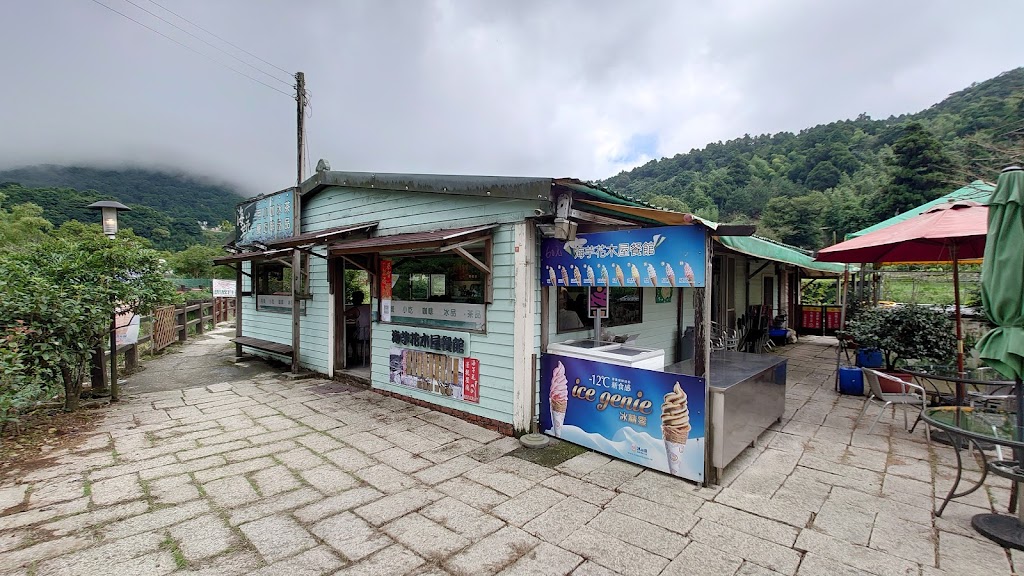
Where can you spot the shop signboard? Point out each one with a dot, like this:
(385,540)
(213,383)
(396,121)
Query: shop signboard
(671,256)
(274,303)
(653,419)
(450,376)
(455,315)
(598,302)
(266,218)
(223,288)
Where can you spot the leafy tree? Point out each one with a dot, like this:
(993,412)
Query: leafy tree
(669,203)
(919,171)
(824,176)
(56,301)
(23,224)
(197,262)
(798,221)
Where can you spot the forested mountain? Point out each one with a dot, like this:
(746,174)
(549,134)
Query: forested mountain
(840,177)
(166,207)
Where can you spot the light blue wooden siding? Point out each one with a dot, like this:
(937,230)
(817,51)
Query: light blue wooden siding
(397,213)
(314,344)
(659,328)
(493,349)
(401,212)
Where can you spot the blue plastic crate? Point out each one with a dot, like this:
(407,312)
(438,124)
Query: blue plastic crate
(851,381)
(869,358)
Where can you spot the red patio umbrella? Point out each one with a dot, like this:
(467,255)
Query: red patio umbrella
(947,233)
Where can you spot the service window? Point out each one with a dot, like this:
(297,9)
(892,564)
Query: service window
(625,307)
(441,291)
(273,281)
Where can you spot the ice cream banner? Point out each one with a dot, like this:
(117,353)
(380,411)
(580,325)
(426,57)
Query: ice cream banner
(653,419)
(671,256)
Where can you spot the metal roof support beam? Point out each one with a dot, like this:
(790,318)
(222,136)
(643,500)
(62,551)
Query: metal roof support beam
(758,271)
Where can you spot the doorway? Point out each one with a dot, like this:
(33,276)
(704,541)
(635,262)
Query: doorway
(353,306)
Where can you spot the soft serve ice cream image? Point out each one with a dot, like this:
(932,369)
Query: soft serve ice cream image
(576,276)
(565,275)
(635,273)
(670,273)
(590,276)
(619,276)
(559,398)
(552,276)
(688,274)
(675,427)
(652,275)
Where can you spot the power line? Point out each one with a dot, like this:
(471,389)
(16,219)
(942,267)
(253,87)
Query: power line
(162,19)
(207,56)
(219,38)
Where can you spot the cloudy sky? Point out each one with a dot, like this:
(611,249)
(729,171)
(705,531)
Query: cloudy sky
(544,88)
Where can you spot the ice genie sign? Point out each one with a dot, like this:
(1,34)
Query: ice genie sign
(265,219)
(653,419)
(671,256)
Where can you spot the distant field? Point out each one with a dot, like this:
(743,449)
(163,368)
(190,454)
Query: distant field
(909,287)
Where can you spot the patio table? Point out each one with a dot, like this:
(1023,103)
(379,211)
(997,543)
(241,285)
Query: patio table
(976,426)
(941,382)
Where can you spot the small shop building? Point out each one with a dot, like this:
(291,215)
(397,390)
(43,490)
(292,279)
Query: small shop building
(514,301)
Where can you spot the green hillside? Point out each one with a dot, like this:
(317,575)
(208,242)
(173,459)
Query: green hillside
(840,177)
(166,207)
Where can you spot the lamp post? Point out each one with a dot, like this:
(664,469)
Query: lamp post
(108,214)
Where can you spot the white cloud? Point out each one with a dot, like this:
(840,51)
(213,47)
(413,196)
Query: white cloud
(564,88)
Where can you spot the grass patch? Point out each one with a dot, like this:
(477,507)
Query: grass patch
(551,455)
(87,488)
(172,545)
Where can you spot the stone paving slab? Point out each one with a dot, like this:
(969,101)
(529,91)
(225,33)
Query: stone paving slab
(262,475)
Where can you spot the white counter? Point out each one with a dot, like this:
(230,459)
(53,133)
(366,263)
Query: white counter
(611,353)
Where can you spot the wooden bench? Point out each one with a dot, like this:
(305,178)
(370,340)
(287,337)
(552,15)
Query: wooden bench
(265,345)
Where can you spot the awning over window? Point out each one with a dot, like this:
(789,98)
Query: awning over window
(768,250)
(278,248)
(412,240)
(321,236)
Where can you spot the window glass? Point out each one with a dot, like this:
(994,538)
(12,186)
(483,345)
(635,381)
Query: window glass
(441,291)
(625,307)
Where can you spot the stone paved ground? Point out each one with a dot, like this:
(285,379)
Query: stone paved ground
(310,477)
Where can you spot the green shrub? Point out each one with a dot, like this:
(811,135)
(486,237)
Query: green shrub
(905,333)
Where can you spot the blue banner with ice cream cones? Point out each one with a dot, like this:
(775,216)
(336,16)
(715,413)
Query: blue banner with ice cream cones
(671,256)
(653,419)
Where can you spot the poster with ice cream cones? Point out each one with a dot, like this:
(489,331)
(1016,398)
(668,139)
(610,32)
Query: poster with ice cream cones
(653,419)
(665,257)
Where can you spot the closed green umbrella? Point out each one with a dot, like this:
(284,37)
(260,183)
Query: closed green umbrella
(1002,295)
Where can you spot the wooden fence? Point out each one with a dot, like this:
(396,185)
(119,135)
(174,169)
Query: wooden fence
(173,324)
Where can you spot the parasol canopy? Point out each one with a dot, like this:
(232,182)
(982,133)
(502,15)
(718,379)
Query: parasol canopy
(927,237)
(1002,277)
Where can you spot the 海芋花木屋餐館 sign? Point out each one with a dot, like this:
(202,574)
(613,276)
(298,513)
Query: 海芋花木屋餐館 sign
(653,419)
(671,256)
(265,219)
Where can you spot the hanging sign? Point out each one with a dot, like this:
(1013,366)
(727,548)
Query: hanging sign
(386,284)
(653,419)
(671,256)
(264,219)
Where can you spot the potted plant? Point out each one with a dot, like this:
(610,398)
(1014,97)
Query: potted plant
(905,333)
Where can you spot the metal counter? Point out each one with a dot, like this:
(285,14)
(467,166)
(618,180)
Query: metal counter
(747,395)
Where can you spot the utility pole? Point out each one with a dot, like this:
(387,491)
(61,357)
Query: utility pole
(300,98)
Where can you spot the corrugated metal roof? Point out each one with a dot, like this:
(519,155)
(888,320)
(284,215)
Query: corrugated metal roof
(766,249)
(409,240)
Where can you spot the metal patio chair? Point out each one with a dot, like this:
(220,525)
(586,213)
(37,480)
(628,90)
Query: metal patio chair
(911,395)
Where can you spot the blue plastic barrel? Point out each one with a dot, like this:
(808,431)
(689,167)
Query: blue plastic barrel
(851,381)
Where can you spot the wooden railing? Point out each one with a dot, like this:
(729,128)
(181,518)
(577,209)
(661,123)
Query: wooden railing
(175,324)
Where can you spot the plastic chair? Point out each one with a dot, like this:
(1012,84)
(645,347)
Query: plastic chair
(911,395)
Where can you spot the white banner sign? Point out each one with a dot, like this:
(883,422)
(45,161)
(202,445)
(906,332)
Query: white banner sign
(223,288)
(440,314)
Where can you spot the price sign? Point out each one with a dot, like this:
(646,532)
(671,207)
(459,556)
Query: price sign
(598,302)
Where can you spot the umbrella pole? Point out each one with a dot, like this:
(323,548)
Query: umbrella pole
(1019,453)
(959,332)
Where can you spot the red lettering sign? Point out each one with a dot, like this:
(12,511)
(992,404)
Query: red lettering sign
(471,380)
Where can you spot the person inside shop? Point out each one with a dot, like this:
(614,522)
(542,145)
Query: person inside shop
(357,320)
(567,318)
